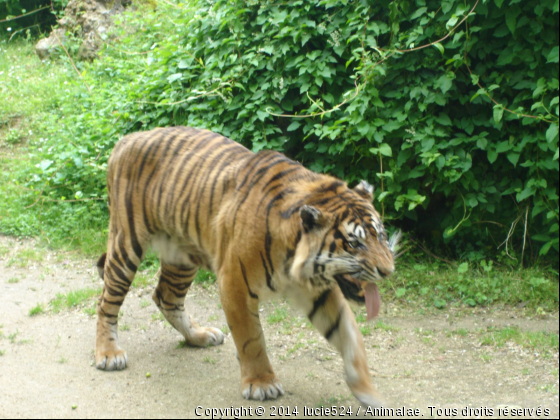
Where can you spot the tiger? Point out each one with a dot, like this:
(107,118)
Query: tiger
(264,224)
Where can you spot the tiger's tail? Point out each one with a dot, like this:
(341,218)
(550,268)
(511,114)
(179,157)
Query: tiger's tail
(101,265)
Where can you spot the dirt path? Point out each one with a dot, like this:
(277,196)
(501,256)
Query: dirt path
(417,361)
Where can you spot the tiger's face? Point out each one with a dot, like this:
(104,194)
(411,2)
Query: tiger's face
(344,242)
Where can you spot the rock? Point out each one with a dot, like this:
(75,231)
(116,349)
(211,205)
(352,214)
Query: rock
(86,19)
(46,45)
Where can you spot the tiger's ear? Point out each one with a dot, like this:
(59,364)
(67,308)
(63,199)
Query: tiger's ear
(365,190)
(311,218)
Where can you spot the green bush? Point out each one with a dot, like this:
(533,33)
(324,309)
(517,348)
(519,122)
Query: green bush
(35,16)
(460,137)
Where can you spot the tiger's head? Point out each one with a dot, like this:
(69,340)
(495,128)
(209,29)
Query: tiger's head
(343,242)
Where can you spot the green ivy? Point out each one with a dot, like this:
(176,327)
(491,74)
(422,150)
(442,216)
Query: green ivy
(460,137)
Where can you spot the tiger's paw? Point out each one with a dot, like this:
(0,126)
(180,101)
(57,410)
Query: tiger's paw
(371,399)
(205,336)
(261,389)
(111,360)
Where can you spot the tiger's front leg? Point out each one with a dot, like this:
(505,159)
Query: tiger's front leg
(331,315)
(241,307)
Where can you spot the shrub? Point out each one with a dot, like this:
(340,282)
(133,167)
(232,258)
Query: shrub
(451,110)
(17,16)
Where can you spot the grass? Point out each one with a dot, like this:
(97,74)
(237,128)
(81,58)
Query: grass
(461,332)
(34,93)
(12,337)
(73,299)
(438,285)
(25,257)
(141,281)
(13,280)
(540,341)
(182,345)
(92,310)
(158,317)
(279,315)
(331,401)
(37,310)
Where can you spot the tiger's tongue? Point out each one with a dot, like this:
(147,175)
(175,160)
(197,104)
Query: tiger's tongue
(373,300)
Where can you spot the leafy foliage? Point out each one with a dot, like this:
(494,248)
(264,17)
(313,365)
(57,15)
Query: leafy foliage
(17,16)
(460,137)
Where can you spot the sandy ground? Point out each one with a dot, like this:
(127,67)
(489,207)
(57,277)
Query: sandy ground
(416,361)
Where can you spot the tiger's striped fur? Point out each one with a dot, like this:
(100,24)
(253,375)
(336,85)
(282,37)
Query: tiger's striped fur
(262,222)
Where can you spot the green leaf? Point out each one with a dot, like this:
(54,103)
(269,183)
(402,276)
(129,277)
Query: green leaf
(552,132)
(174,77)
(385,150)
(499,3)
(526,193)
(262,115)
(439,47)
(482,143)
(463,268)
(553,55)
(513,158)
(545,248)
(45,164)
(293,126)
(503,146)
(444,83)
(427,144)
(511,17)
(452,22)
(419,12)
(444,119)
(498,113)
(440,303)
(492,156)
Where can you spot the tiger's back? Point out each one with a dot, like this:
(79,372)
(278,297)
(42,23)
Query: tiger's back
(266,225)
(162,175)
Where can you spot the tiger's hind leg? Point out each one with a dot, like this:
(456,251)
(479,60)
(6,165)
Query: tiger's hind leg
(169,296)
(117,268)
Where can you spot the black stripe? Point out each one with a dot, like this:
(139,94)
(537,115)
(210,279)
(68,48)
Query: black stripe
(257,176)
(335,326)
(267,274)
(319,303)
(133,238)
(161,300)
(332,187)
(130,265)
(162,164)
(114,293)
(253,295)
(251,340)
(268,236)
(227,162)
(181,286)
(298,238)
(106,315)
